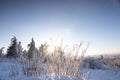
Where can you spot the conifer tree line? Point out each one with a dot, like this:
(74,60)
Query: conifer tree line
(15,49)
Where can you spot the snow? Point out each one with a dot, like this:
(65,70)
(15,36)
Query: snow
(12,70)
(110,74)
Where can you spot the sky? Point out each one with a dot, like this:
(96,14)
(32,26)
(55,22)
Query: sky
(95,21)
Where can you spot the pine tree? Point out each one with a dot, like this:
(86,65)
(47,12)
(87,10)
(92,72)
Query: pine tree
(12,50)
(31,50)
(1,51)
(19,49)
(43,52)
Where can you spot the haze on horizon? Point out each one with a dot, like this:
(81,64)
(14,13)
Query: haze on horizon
(96,21)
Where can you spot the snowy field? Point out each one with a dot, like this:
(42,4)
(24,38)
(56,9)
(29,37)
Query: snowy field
(11,70)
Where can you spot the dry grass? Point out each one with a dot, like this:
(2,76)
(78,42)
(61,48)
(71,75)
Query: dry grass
(67,64)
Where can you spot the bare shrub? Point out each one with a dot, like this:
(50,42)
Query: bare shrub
(64,63)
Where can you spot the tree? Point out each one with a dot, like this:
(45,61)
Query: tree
(1,51)
(43,49)
(44,53)
(31,50)
(12,50)
(19,49)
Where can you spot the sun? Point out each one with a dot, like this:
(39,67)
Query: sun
(51,48)
(53,44)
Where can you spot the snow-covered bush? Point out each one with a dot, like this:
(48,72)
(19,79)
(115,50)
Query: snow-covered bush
(111,62)
(92,63)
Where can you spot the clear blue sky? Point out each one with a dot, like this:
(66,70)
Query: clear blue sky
(96,21)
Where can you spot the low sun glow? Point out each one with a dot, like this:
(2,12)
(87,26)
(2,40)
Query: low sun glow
(53,43)
(51,48)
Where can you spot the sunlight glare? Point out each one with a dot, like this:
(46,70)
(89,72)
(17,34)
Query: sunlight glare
(53,43)
(51,49)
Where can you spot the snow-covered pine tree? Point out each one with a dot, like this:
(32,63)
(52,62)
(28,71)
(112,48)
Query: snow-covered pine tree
(31,49)
(1,51)
(12,51)
(19,49)
(15,49)
(43,51)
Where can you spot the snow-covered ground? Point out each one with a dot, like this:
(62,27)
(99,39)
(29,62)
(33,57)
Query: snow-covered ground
(12,70)
(110,74)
